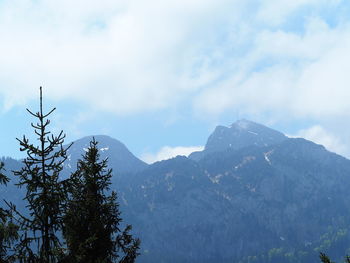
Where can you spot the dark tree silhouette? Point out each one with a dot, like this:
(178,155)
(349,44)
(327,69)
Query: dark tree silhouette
(3,178)
(8,230)
(92,221)
(325,259)
(45,193)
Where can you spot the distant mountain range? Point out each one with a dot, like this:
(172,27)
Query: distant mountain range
(252,195)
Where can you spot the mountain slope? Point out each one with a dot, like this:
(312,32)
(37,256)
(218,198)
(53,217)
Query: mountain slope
(270,192)
(234,204)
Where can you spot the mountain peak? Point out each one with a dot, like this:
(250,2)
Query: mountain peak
(121,160)
(241,134)
(242,124)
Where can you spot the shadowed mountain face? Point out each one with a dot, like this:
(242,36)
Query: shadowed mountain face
(253,195)
(238,203)
(251,191)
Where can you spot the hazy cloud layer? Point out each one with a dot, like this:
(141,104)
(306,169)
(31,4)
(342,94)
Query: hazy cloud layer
(303,75)
(124,56)
(130,56)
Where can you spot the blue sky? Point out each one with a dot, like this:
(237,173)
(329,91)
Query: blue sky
(160,75)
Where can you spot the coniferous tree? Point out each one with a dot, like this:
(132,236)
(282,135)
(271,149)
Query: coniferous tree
(3,178)
(325,259)
(45,193)
(92,221)
(8,230)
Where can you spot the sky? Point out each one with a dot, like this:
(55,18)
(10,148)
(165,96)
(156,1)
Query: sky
(160,75)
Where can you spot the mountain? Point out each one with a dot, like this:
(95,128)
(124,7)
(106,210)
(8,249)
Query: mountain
(252,195)
(239,135)
(269,198)
(121,159)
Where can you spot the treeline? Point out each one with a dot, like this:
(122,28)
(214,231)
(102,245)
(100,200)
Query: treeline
(71,220)
(334,242)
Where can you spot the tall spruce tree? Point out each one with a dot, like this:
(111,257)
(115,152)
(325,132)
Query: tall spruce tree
(8,230)
(45,193)
(92,221)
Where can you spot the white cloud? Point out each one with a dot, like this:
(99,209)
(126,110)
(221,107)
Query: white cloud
(168,152)
(300,75)
(321,136)
(132,56)
(277,12)
(124,56)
